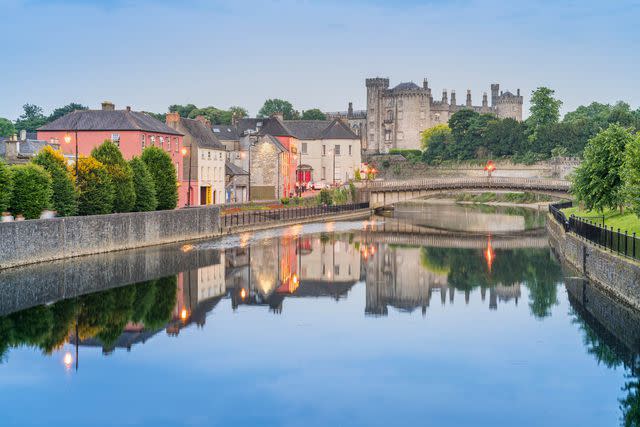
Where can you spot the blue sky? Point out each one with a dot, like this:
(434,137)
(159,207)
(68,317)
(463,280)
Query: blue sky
(149,54)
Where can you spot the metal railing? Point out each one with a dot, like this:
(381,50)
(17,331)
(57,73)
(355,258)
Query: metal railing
(614,240)
(480,182)
(286,214)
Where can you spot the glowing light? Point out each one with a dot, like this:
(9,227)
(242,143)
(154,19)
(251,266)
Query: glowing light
(243,293)
(184,151)
(67,138)
(186,248)
(489,254)
(68,360)
(184,313)
(295,279)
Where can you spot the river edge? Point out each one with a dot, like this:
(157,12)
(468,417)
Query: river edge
(448,201)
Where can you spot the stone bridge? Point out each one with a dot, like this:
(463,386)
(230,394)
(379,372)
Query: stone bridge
(383,193)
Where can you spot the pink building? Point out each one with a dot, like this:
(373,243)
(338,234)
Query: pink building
(131,130)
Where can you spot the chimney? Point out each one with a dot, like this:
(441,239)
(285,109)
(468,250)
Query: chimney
(350,110)
(129,108)
(108,106)
(485,103)
(12,149)
(278,115)
(172,118)
(425,83)
(518,92)
(453,97)
(204,121)
(23,135)
(444,96)
(469,98)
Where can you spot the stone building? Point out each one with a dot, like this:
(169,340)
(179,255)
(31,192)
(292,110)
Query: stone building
(396,116)
(19,150)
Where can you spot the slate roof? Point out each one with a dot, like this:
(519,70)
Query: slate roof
(121,120)
(226,132)
(273,126)
(201,133)
(30,147)
(406,86)
(320,129)
(247,124)
(234,170)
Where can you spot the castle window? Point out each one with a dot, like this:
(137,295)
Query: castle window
(400,104)
(349,150)
(387,135)
(390,115)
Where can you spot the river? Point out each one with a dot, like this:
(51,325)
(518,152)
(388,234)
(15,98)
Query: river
(448,315)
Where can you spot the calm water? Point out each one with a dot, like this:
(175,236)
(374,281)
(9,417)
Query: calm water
(383,322)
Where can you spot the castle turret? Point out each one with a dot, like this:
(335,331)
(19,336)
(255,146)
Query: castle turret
(469,98)
(375,89)
(350,110)
(485,103)
(495,90)
(445,98)
(453,97)
(425,83)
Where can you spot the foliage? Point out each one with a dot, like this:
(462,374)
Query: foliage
(272,106)
(161,117)
(6,128)
(6,186)
(313,114)
(325,197)
(144,186)
(237,113)
(96,192)
(64,199)
(412,155)
(631,173)
(340,196)
(438,146)
(163,172)
(182,110)
(31,119)
(213,114)
(353,192)
(427,134)
(285,201)
(31,190)
(120,173)
(385,164)
(545,109)
(598,180)
(69,108)
(357,175)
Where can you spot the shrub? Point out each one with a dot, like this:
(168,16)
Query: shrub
(164,176)
(31,190)
(144,186)
(284,201)
(121,175)
(357,176)
(340,196)
(6,187)
(325,197)
(95,188)
(65,198)
(352,190)
(386,164)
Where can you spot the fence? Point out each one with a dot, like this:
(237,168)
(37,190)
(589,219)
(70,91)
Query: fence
(285,214)
(484,182)
(617,241)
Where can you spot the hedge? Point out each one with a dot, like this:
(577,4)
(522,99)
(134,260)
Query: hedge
(121,175)
(164,176)
(6,187)
(144,186)
(32,190)
(95,188)
(65,198)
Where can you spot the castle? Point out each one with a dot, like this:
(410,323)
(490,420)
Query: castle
(395,117)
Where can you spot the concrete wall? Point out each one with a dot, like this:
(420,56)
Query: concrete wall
(618,275)
(26,242)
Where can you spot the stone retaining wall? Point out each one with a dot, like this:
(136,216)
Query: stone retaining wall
(26,242)
(616,274)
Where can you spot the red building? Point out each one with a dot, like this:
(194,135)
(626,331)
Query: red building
(132,131)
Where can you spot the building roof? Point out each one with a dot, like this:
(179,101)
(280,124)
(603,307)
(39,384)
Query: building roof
(234,170)
(29,147)
(202,134)
(406,86)
(122,120)
(338,130)
(275,141)
(320,129)
(274,126)
(226,132)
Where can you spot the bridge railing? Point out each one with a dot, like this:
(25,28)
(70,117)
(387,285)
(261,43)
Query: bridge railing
(484,182)
(598,233)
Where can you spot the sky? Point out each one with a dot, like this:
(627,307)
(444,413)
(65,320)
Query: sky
(150,54)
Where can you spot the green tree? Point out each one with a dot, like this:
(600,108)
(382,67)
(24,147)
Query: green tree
(6,186)
(545,109)
(31,119)
(62,111)
(162,117)
(438,146)
(631,174)
(64,199)
(427,134)
(96,192)
(31,190)
(598,180)
(313,114)
(144,186)
(163,172)
(6,128)
(272,106)
(159,313)
(183,110)
(214,115)
(505,137)
(121,175)
(238,113)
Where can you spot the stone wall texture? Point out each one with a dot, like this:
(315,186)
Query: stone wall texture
(618,275)
(26,242)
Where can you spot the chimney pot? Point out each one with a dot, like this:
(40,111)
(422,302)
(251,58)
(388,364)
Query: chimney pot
(172,118)
(278,115)
(128,108)
(205,121)
(108,106)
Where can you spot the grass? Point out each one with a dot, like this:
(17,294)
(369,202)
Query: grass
(627,221)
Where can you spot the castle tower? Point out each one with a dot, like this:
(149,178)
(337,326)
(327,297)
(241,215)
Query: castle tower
(445,98)
(453,97)
(469,98)
(495,91)
(484,100)
(375,91)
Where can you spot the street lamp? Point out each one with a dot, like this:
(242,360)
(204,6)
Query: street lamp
(183,151)
(67,140)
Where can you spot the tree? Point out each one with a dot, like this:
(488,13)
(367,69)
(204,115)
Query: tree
(158,116)
(6,128)
(631,174)
(6,186)
(183,110)
(31,119)
(62,111)
(31,190)
(96,192)
(64,199)
(598,180)
(237,113)
(438,146)
(121,175)
(163,172)
(214,115)
(428,133)
(545,109)
(313,114)
(144,186)
(505,137)
(272,106)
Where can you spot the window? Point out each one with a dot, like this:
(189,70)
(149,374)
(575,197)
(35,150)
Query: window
(337,150)
(202,155)
(168,143)
(390,115)
(143,140)
(115,138)
(387,135)
(177,143)
(161,141)
(304,148)
(324,173)
(153,140)
(209,154)
(349,150)
(202,172)
(336,270)
(324,150)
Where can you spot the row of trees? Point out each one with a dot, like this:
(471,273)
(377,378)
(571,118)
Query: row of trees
(105,183)
(471,135)
(33,117)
